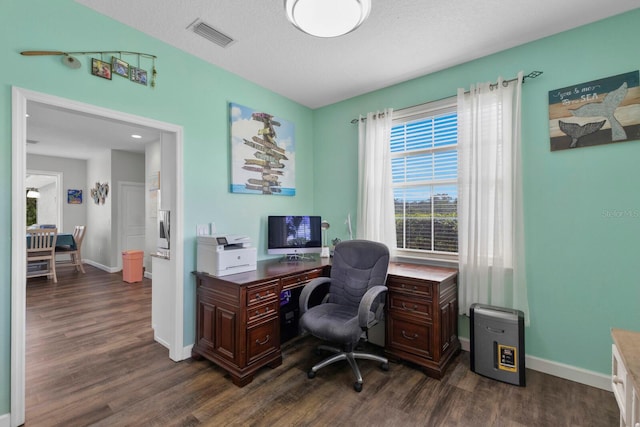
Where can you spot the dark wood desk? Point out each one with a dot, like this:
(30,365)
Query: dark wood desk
(237,316)
(422,316)
(238,322)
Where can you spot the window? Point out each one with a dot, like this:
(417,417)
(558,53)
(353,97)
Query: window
(424,164)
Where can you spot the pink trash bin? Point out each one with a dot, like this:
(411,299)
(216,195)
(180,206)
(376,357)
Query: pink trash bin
(132,266)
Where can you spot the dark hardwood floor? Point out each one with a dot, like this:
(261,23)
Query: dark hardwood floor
(91,360)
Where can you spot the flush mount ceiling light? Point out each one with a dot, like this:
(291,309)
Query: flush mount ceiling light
(327,18)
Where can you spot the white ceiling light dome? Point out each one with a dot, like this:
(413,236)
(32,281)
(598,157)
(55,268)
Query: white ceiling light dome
(327,18)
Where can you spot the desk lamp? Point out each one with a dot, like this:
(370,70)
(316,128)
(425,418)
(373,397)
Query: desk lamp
(325,249)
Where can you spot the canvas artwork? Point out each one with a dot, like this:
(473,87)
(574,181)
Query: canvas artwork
(74,197)
(597,112)
(262,152)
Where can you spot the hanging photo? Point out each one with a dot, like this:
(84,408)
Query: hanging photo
(74,197)
(119,67)
(100,68)
(597,112)
(138,75)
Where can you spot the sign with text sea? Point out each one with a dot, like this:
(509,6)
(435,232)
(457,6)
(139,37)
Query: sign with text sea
(596,112)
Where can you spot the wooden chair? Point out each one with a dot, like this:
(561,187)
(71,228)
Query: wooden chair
(41,245)
(75,255)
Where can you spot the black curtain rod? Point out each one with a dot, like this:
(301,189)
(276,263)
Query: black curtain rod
(505,83)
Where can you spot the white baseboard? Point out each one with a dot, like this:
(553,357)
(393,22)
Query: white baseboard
(183,355)
(161,341)
(557,369)
(5,420)
(148,274)
(102,266)
(186,352)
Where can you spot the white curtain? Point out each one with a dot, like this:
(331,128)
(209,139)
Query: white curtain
(491,245)
(375,195)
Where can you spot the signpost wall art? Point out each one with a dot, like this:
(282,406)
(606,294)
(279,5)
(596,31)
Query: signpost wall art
(596,112)
(262,153)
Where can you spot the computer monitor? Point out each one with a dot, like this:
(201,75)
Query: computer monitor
(294,236)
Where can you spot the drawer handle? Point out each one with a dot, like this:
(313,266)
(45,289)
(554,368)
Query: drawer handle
(617,380)
(266,310)
(413,288)
(259,297)
(266,340)
(404,334)
(415,307)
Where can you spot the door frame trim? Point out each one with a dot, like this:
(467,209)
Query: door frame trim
(20,97)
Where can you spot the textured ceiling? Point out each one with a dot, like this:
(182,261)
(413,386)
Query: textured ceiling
(401,40)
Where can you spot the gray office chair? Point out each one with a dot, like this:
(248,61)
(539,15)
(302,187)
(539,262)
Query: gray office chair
(354,303)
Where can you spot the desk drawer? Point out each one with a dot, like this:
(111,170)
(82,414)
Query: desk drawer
(408,304)
(411,337)
(300,278)
(258,294)
(419,288)
(619,384)
(262,339)
(257,312)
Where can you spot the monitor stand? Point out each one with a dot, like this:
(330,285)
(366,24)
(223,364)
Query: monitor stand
(297,258)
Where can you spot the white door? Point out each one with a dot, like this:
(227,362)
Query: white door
(132,218)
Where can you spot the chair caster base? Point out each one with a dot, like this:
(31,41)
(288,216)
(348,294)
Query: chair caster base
(384,366)
(311,374)
(357,387)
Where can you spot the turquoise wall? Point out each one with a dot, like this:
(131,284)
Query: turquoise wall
(582,278)
(582,219)
(189,92)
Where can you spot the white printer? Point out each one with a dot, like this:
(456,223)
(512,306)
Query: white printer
(224,254)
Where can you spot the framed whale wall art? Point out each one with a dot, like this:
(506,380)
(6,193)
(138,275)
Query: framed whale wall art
(597,112)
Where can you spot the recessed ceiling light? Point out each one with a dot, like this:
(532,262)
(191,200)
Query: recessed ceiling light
(136,136)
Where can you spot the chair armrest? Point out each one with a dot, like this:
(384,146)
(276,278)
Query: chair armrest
(308,289)
(366,303)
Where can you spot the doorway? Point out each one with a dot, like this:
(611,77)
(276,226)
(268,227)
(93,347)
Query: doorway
(44,198)
(131,218)
(20,97)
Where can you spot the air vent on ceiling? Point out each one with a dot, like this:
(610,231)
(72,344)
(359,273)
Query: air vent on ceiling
(210,33)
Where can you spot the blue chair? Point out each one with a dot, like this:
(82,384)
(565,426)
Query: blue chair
(354,303)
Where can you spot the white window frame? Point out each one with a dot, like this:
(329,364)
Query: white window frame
(417,112)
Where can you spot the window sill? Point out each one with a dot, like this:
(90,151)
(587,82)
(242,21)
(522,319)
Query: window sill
(439,260)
